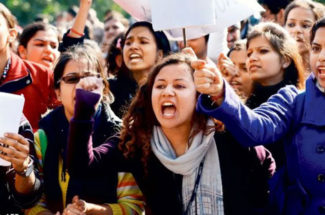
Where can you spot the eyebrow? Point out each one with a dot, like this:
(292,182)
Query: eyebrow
(178,79)
(141,37)
(41,40)
(305,20)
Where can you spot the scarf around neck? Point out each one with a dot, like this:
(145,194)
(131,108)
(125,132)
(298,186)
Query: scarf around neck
(209,197)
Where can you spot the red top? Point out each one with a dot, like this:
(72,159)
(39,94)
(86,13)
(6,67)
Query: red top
(35,82)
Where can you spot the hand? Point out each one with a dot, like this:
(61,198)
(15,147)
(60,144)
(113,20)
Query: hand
(189,51)
(15,149)
(92,84)
(207,79)
(226,66)
(77,207)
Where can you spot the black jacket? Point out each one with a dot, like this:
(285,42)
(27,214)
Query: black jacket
(244,180)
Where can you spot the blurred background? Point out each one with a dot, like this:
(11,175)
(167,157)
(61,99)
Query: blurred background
(28,10)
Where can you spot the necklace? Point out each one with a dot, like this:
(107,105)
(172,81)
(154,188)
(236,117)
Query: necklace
(5,71)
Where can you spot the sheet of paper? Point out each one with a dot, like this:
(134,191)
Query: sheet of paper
(11,108)
(172,14)
(198,17)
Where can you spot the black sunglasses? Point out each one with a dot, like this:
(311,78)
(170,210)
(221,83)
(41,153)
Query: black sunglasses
(74,78)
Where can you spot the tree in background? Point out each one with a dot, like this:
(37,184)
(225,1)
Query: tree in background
(27,10)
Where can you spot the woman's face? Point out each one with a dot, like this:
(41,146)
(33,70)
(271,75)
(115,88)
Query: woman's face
(140,51)
(174,96)
(75,73)
(42,48)
(317,56)
(242,81)
(263,62)
(6,35)
(299,23)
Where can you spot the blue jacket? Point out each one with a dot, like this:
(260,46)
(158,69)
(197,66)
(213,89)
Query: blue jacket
(298,118)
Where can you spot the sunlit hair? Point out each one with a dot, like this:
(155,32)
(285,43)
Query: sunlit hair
(281,41)
(32,29)
(7,15)
(81,53)
(239,45)
(140,119)
(316,8)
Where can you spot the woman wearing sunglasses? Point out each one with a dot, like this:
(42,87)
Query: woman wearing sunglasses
(77,72)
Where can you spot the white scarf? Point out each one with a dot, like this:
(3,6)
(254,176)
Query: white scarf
(209,196)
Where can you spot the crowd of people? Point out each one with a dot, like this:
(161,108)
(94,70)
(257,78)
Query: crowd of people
(118,121)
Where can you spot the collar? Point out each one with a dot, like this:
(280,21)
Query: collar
(17,77)
(314,104)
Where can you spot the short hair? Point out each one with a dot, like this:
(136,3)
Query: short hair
(7,15)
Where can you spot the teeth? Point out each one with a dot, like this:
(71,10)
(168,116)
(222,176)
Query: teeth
(167,104)
(135,56)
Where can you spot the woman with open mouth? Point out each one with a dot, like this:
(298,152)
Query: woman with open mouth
(293,116)
(39,43)
(178,155)
(142,47)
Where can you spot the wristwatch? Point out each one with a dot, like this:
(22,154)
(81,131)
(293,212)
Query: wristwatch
(26,172)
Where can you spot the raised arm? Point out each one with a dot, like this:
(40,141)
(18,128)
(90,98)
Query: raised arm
(75,34)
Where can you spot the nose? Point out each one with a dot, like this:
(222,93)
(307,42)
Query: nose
(134,45)
(168,91)
(252,57)
(321,56)
(297,29)
(48,48)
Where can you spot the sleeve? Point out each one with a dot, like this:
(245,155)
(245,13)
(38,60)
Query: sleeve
(81,155)
(130,198)
(69,41)
(28,200)
(265,124)
(266,160)
(39,151)
(39,207)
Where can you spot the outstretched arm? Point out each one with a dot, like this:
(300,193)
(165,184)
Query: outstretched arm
(266,124)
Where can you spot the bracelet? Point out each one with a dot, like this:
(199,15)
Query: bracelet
(76,32)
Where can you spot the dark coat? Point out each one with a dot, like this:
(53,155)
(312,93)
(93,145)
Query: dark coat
(95,186)
(245,173)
